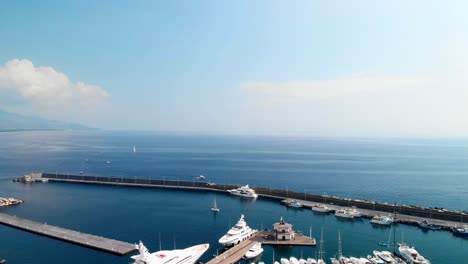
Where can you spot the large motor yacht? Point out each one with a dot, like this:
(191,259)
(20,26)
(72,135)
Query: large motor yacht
(244,191)
(188,255)
(411,255)
(238,233)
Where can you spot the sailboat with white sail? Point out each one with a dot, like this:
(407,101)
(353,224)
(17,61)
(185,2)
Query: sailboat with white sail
(215,206)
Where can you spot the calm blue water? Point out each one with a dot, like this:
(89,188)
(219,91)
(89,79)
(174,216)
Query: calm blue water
(425,172)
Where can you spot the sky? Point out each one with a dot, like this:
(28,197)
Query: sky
(309,68)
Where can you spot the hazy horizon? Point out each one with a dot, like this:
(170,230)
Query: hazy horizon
(367,69)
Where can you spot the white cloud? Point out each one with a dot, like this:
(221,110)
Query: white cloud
(45,85)
(312,90)
(361,105)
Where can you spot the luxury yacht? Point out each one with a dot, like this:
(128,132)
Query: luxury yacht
(238,233)
(384,255)
(382,220)
(311,261)
(411,255)
(284,261)
(244,191)
(320,208)
(293,260)
(254,251)
(177,256)
(348,213)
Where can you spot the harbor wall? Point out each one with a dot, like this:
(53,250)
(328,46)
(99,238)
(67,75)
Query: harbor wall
(264,193)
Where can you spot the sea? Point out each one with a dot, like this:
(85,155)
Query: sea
(427,172)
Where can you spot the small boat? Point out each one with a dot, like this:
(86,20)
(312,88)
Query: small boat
(201,177)
(108,162)
(383,244)
(375,260)
(461,231)
(321,208)
(347,213)
(81,172)
(427,225)
(284,261)
(294,203)
(134,149)
(384,255)
(382,220)
(293,260)
(215,207)
(254,251)
(411,255)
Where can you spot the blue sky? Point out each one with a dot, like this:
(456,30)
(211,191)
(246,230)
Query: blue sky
(319,68)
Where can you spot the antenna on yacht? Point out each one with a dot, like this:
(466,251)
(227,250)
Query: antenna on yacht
(174,242)
(310,231)
(273,260)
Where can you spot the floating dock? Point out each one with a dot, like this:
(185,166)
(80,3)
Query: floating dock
(67,235)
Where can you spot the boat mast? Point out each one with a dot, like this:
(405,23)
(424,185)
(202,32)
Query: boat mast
(340,251)
(160,241)
(394,229)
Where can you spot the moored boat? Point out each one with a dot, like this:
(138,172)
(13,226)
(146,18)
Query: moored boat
(238,233)
(427,225)
(382,220)
(294,203)
(188,255)
(254,251)
(347,213)
(244,191)
(460,231)
(321,208)
(411,255)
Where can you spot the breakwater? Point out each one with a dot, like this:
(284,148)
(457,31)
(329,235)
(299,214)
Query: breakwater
(409,210)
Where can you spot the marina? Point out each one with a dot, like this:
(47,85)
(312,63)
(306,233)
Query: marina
(67,235)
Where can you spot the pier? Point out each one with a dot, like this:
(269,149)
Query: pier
(67,235)
(234,254)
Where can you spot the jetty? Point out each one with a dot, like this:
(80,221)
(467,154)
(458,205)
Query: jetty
(410,214)
(235,253)
(67,235)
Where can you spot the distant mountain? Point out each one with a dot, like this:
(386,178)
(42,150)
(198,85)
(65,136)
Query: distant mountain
(11,122)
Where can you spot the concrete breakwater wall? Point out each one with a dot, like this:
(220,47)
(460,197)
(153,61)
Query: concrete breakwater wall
(411,210)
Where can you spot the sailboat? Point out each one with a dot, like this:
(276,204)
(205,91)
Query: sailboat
(134,149)
(215,207)
(320,258)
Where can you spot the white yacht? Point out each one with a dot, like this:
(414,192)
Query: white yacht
(411,255)
(302,261)
(348,213)
(177,256)
(293,260)
(382,220)
(284,261)
(254,251)
(244,191)
(311,261)
(238,233)
(375,260)
(385,256)
(320,208)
